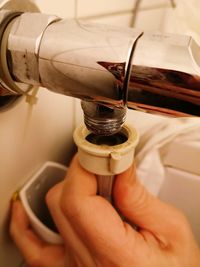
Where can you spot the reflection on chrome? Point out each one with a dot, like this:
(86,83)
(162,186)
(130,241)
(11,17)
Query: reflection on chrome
(102,65)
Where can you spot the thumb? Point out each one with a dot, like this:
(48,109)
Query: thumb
(145,210)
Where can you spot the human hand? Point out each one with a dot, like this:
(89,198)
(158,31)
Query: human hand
(94,234)
(35,251)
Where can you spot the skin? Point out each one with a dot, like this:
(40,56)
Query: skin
(95,235)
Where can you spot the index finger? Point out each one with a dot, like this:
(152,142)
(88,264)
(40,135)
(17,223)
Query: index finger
(79,181)
(93,217)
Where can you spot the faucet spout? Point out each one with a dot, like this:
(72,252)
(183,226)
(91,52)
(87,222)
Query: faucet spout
(109,68)
(165,75)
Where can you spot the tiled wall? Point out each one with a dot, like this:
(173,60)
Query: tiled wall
(150,13)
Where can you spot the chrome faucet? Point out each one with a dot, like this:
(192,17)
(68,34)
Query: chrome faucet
(109,68)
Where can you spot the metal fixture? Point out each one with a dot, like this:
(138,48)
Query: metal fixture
(108,67)
(9,11)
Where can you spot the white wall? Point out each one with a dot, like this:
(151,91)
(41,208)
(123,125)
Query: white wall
(29,138)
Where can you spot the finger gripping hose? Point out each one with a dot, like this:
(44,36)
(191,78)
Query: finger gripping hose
(106,156)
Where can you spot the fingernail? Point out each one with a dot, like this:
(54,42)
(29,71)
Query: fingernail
(15,196)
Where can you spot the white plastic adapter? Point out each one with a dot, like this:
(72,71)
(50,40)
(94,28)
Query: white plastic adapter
(106,159)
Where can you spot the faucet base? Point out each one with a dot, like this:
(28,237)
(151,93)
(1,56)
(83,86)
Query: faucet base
(12,9)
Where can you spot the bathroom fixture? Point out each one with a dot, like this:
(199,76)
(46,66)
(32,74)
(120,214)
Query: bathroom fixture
(19,6)
(109,68)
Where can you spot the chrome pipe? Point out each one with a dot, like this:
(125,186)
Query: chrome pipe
(105,66)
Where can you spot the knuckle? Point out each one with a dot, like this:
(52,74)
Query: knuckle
(51,194)
(71,207)
(180,228)
(182,223)
(33,262)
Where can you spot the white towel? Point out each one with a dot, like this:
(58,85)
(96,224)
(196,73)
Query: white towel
(154,144)
(168,161)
